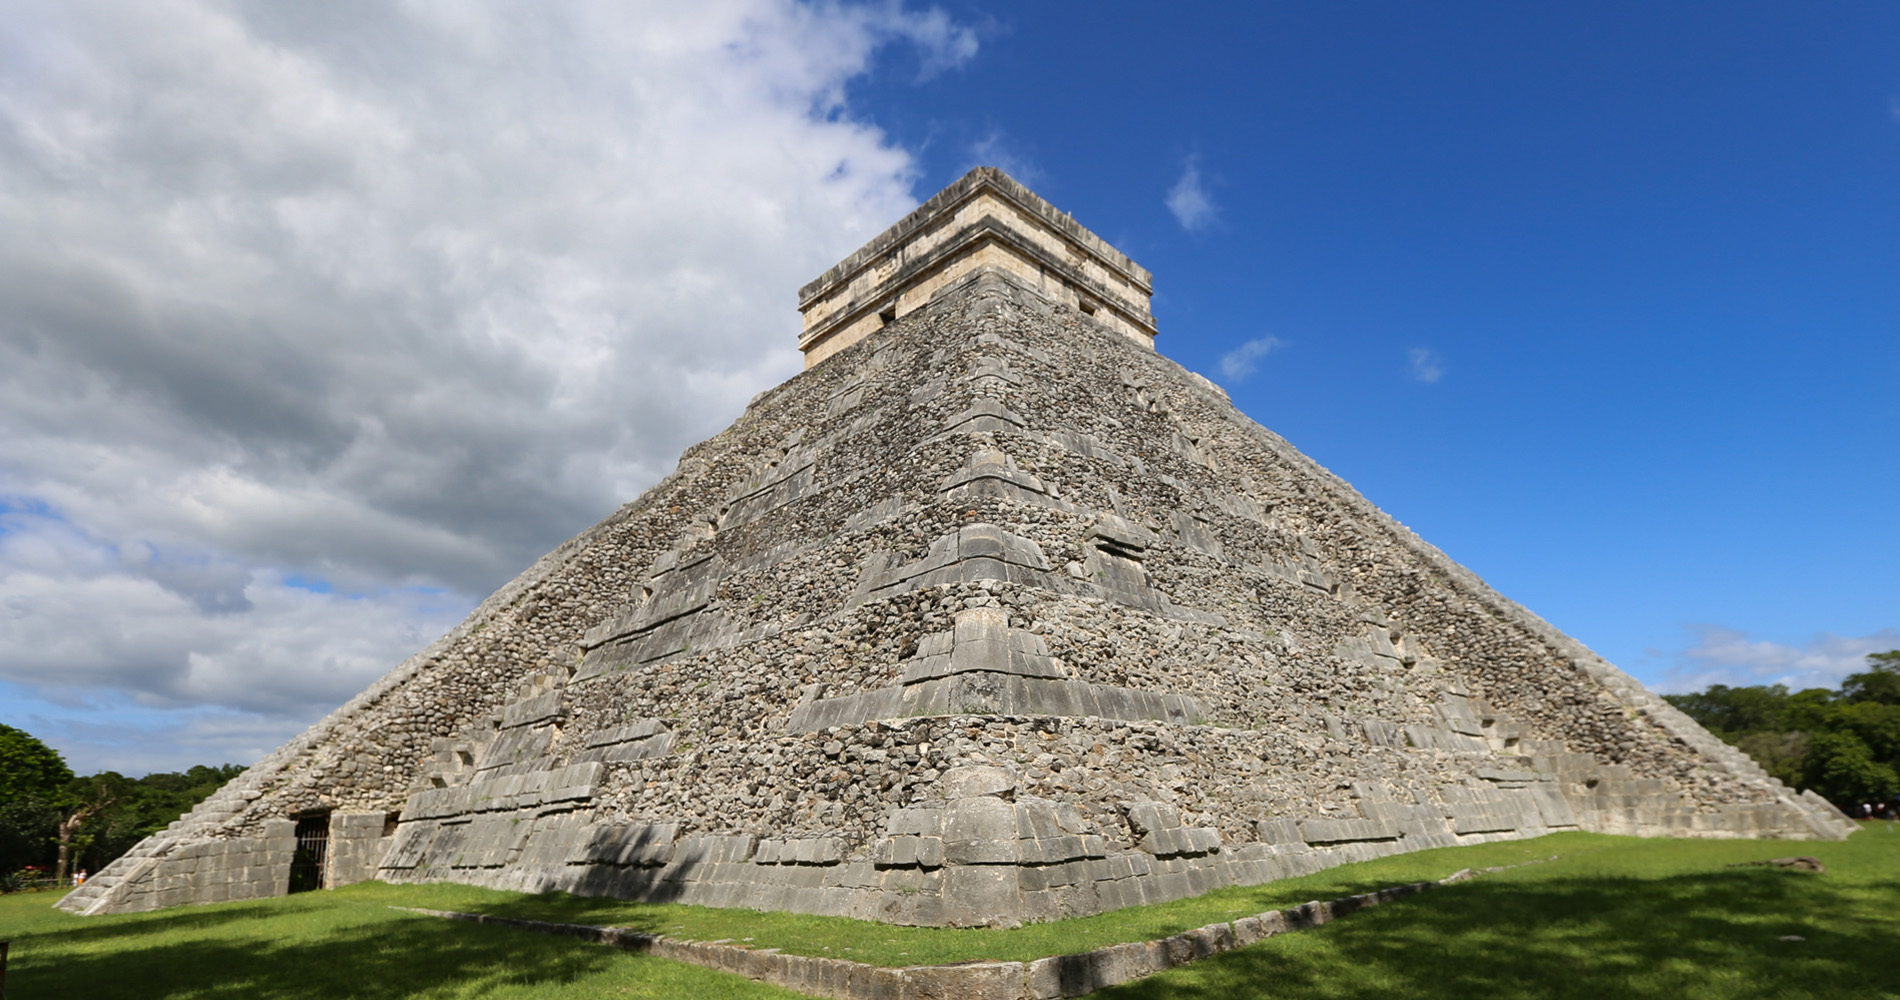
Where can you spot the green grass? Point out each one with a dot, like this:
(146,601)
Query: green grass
(320,946)
(1612,917)
(882,944)
(1628,918)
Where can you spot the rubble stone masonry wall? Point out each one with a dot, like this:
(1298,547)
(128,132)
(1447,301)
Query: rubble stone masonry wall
(994,616)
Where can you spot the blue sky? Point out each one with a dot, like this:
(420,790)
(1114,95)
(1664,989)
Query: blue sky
(318,323)
(1601,299)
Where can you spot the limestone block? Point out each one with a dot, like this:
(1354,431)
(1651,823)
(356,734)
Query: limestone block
(532,711)
(981,896)
(1278,831)
(922,822)
(980,831)
(1413,821)
(1247,930)
(1338,831)
(1199,943)
(1148,817)
(640,730)
(976,781)
(1482,817)
(1433,738)
(1552,808)
(896,852)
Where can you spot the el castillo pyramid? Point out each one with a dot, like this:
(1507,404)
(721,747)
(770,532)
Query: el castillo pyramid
(991,615)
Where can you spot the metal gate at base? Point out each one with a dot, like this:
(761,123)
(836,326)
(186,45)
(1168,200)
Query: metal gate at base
(313,848)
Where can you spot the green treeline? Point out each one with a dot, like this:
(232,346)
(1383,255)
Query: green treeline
(103,814)
(1843,744)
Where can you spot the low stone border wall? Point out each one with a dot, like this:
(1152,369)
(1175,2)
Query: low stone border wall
(1043,979)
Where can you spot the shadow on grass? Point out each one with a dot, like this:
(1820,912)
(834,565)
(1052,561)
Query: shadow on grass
(1715,934)
(387,958)
(561,907)
(657,917)
(184,919)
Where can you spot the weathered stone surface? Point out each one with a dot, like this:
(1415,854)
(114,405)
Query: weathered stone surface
(977,780)
(992,533)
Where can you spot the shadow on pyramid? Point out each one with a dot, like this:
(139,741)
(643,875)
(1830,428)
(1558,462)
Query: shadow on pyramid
(992,615)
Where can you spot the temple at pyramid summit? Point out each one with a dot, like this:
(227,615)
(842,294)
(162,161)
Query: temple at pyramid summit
(991,615)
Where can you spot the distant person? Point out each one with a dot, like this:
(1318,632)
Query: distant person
(79,878)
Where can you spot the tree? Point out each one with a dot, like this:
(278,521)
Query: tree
(1780,754)
(1845,745)
(82,810)
(33,780)
(1732,711)
(1880,683)
(50,818)
(28,767)
(1841,768)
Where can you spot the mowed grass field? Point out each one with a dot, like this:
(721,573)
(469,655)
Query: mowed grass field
(1609,917)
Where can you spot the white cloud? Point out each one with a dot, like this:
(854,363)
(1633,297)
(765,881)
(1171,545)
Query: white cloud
(107,733)
(942,43)
(1241,362)
(1188,199)
(1426,365)
(394,297)
(1728,656)
(80,615)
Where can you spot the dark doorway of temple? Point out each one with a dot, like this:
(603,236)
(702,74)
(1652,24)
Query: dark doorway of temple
(313,844)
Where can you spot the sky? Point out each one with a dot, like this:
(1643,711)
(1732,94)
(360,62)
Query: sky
(320,322)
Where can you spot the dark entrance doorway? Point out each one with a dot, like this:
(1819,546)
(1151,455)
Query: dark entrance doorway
(313,847)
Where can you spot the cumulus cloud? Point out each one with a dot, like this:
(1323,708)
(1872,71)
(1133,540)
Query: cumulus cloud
(1236,365)
(1729,656)
(103,732)
(1188,199)
(81,615)
(317,323)
(1426,365)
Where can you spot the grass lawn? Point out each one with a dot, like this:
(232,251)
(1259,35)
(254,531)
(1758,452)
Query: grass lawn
(1627,918)
(320,946)
(1611,917)
(881,944)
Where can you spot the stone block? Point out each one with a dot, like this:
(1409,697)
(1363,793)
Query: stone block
(973,981)
(1042,979)
(1482,817)
(533,710)
(1338,831)
(1278,831)
(981,896)
(923,822)
(980,831)
(978,780)
(1552,808)
(1147,817)
(1247,930)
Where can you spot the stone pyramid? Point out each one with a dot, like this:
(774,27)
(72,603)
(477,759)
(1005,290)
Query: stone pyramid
(991,615)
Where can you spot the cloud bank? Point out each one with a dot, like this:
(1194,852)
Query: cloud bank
(318,322)
(1729,656)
